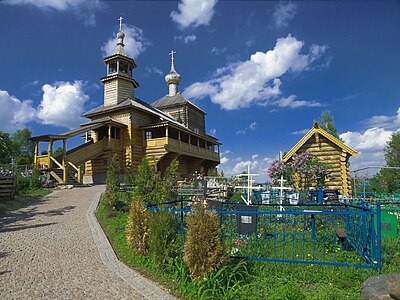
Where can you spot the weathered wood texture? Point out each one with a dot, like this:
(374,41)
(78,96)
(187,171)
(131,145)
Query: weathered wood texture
(116,91)
(7,187)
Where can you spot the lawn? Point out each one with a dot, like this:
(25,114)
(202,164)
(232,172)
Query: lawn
(249,280)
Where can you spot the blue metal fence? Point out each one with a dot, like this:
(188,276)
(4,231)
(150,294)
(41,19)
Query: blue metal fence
(337,234)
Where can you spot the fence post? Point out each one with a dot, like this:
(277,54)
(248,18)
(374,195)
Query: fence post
(364,228)
(378,236)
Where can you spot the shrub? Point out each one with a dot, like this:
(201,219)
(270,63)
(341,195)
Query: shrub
(23,183)
(35,180)
(162,238)
(137,227)
(112,184)
(203,248)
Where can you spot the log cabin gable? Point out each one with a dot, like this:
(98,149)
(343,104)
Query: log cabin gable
(317,134)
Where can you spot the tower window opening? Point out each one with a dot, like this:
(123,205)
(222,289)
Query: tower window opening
(123,68)
(112,68)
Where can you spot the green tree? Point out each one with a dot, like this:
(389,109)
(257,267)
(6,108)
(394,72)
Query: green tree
(112,183)
(169,183)
(137,227)
(389,179)
(58,151)
(23,146)
(162,239)
(327,123)
(144,184)
(204,251)
(6,148)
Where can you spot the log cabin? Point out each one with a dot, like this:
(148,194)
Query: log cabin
(330,150)
(170,128)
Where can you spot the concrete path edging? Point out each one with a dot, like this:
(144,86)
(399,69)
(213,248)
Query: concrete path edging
(145,288)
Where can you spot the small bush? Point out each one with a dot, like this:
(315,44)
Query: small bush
(112,184)
(204,251)
(162,237)
(35,179)
(23,183)
(137,227)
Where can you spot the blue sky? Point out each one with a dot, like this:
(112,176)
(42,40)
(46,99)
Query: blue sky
(263,70)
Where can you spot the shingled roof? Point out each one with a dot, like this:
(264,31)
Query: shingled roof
(169,101)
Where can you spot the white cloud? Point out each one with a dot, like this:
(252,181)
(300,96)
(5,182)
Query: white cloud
(153,70)
(256,81)
(284,13)
(186,38)
(14,113)
(194,13)
(135,43)
(213,131)
(391,122)
(300,132)
(224,160)
(291,102)
(252,126)
(62,104)
(218,51)
(372,139)
(83,9)
(370,145)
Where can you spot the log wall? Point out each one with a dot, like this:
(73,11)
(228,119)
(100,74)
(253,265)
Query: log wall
(338,160)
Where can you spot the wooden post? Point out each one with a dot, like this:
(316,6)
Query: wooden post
(64,162)
(190,142)
(50,152)
(35,155)
(109,136)
(179,138)
(79,174)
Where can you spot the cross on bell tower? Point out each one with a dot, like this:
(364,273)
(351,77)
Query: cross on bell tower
(119,84)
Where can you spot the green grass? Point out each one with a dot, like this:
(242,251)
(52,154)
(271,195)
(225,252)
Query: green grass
(22,199)
(249,280)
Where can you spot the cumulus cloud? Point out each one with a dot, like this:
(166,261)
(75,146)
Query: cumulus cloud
(232,165)
(135,43)
(83,9)
(370,143)
(186,38)
(62,104)
(224,160)
(14,113)
(194,13)
(385,121)
(284,12)
(257,80)
(372,139)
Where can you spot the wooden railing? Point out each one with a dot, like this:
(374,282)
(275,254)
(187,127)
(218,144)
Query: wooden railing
(174,145)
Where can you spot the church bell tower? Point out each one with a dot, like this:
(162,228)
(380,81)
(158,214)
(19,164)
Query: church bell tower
(119,84)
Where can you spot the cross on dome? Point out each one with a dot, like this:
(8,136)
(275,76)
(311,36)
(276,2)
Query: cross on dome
(120,23)
(172,59)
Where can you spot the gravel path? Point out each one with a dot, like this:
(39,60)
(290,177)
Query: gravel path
(55,249)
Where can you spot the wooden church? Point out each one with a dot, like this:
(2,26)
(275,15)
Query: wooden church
(330,150)
(170,128)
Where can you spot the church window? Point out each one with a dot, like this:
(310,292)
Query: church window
(148,135)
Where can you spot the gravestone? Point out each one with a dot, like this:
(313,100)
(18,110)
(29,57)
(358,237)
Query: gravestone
(246,221)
